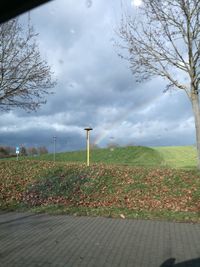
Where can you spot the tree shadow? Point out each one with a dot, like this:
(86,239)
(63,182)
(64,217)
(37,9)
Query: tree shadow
(190,263)
(16,219)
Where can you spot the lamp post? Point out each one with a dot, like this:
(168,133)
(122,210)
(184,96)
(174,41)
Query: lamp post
(88,144)
(54,150)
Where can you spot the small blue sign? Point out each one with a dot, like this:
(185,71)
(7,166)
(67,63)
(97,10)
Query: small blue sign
(17,150)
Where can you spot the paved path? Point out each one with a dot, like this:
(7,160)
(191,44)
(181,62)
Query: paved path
(42,240)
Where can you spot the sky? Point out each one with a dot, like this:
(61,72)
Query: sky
(95,87)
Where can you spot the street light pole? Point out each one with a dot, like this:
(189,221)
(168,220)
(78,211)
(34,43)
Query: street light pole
(88,144)
(54,152)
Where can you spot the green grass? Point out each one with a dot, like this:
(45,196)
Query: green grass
(131,156)
(169,156)
(166,156)
(178,156)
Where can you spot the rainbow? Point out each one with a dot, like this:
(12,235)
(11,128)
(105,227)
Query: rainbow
(124,115)
(106,132)
(100,137)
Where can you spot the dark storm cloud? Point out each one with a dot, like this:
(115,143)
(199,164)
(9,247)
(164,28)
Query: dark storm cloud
(95,87)
(36,137)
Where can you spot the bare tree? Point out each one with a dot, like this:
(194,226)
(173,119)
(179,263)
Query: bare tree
(42,150)
(23,151)
(32,151)
(24,76)
(3,151)
(163,39)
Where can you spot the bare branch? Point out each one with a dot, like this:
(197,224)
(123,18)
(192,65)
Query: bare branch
(162,40)
(24,77)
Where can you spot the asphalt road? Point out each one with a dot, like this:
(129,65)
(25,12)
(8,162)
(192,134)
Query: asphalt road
(43,240)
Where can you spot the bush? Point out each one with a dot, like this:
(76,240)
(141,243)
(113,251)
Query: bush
(23,151)
(3,151)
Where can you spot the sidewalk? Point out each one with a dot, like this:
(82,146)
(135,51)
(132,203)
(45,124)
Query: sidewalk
(43,240)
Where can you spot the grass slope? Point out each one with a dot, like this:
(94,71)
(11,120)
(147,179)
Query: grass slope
(178,156)
(169,156)
(134,156)
(166,156)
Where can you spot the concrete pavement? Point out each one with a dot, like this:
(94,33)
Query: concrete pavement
(43,240)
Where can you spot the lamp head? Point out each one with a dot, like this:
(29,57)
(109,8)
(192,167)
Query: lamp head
(88,129)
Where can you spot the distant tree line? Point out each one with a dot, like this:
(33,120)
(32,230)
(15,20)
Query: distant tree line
(8,151)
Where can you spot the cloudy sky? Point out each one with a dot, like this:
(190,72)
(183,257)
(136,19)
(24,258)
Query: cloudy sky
(95,87)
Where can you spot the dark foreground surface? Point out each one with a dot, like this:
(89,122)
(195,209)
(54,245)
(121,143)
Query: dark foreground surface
(43,240)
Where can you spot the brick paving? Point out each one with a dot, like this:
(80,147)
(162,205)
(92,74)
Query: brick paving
(43,240)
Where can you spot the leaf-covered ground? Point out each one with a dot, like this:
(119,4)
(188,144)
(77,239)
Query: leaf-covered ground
(107,190)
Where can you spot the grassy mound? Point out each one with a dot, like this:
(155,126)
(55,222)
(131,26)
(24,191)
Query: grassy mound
(133,155)
(174,157)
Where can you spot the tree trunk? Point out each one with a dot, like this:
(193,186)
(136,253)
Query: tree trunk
(196,111)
